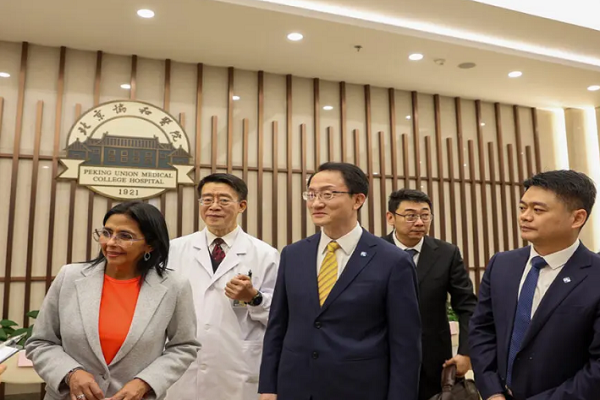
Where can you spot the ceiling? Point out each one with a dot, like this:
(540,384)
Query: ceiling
(559,61)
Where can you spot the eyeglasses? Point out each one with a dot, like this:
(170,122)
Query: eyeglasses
(222,201)
(323,196)
(415,217)
(121,238)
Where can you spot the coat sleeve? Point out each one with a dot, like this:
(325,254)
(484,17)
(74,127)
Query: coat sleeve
(180,350)
(404,330)
(44,347)
(260,313)
(275,334)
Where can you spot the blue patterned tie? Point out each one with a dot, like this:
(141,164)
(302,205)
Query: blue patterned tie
(523,314)
(412,252)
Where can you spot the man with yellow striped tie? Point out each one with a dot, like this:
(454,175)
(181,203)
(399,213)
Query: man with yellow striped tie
(344,321)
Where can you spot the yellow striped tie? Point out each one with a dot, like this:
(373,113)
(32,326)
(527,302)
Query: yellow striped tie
(329,272)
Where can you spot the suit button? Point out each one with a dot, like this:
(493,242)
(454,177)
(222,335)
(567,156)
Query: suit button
(318,325)
(315,355)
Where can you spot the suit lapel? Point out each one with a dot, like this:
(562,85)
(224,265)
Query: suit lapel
(232,259)
(311,271)
(150,297)
(427,258)
(513,275)
(364,252)
(89,293)
(202,254)
(575,270)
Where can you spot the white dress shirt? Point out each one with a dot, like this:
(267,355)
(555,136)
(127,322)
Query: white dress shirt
(347,243)
(417,247)
(229,239)
(556,261)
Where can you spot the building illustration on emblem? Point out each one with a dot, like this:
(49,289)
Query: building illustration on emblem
(127,150)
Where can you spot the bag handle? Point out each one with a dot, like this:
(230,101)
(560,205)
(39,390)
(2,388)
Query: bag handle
(448,378)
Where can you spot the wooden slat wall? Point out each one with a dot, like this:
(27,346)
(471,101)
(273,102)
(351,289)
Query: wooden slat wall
(452,188)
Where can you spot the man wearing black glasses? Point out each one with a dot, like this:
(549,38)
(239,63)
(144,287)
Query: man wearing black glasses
(440,271)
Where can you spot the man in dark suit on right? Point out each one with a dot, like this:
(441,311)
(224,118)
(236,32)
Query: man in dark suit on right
(535,334)
(440,271)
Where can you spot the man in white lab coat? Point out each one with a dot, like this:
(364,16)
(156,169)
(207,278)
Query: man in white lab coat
(233,276)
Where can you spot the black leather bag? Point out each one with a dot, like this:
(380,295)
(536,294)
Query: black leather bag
(454,388)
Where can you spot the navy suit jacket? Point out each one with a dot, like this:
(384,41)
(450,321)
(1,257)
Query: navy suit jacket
(560,354)
(364,343)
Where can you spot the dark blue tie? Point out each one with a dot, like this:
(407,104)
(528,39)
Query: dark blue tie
(523,314)
(412,252)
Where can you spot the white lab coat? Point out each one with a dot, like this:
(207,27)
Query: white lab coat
(228,364)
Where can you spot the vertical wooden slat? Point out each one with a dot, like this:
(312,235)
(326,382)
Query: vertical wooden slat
(14,176)
(382,181)
(72,192)
(303,149)
(166,107)
(230,120)
(513,198)
(343,109)
(496,216)
(483,187)
(245,129)
(357,159)
(417,143)
(454,222)
(405,160)
(330,143)
(536,141)
(275,194)
(474,216)
(91,194)
(180,191)
(213,155)
(501,174)
(198,150)
(60,88)
(260,122)
(441,206)
(133,79)
(371,199)
(393,139)
(529,159)
(32,204)
(429,171)
(288,133)
(463,185)
(519,145)
(317,121)
(1,115)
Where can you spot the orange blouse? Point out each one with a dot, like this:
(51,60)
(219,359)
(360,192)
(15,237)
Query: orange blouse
(117,306)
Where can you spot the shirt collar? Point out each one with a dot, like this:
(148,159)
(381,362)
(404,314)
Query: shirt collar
(417,247)
(347,243)
(558,259)
(228,239)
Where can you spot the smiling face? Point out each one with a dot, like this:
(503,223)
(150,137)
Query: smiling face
(547,222)
(126,244)
(220,207)
(410,233)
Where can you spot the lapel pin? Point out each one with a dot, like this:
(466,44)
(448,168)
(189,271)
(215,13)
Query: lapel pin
(566,280)
(363,254)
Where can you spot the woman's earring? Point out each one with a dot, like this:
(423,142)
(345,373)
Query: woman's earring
(147,256)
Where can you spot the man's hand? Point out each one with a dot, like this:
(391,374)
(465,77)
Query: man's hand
(83,383)
(240,288)
(133,390)
(463,364)
(268,396)
(2,369)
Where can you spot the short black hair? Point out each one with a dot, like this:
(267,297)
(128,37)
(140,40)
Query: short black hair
(354,177)
(232,181)
(575,189)
(401,195)
(154,228)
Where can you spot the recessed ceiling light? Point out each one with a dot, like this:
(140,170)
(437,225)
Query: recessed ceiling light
(45,167)
(328,108)
(515,74)
(408,117)
(295,36)
(4,75)
(415,57)
(235,98)
(482,124)
(592,88)
(145,13)
(126,86)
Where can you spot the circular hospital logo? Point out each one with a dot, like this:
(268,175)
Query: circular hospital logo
(128,150)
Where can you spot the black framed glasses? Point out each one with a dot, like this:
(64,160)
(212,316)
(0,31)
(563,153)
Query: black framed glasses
(414,217)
